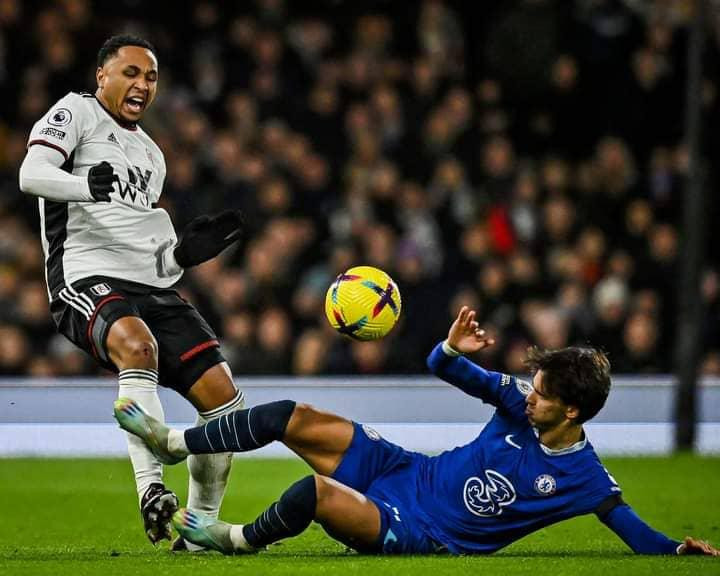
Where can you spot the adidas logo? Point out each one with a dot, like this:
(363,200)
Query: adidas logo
(112,139)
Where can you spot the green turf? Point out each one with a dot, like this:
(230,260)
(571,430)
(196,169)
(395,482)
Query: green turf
(78,517)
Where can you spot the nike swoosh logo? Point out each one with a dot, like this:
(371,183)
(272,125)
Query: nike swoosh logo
(509,440)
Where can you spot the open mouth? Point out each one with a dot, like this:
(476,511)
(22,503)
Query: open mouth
(135,104)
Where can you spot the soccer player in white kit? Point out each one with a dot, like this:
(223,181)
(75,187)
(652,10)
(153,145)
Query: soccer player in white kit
(112,256)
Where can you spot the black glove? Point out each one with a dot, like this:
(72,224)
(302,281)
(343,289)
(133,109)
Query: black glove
(205,237)
(100,180)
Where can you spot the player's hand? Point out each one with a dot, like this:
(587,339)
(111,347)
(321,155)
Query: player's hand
(100,180)
(205,237)
(693,546)
(465,334)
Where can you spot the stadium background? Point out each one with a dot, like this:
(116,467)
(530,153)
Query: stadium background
(529,163)
(528,160)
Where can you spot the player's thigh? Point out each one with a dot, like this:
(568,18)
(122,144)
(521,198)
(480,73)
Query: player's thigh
(368,523)
(86,312)
(188,347)
(369,457)
(320,438)
(347,515)
(130,344)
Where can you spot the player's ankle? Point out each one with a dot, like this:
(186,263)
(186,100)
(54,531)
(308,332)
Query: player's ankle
(176,443)
(237,537)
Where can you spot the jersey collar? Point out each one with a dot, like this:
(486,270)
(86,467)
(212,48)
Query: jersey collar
(579,445)
(124,123)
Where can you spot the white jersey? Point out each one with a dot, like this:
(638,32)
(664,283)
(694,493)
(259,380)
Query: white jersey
(123,238)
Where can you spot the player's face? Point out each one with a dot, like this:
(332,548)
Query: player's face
(127,82)
(544,411)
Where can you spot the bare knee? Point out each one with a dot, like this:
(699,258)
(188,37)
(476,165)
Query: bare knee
(326,493)
(135,351)
(304,414)
(305,423)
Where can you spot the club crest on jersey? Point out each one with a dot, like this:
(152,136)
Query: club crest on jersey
(523,387)
(371,432)
(545,485)
(101,289)
(489,497)
(60,117)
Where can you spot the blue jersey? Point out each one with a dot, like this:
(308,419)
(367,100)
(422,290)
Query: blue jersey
(505,483)
(485,495)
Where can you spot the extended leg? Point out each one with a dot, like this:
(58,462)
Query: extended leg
(320,438)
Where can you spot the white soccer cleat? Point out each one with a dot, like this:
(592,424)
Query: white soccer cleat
(131,417)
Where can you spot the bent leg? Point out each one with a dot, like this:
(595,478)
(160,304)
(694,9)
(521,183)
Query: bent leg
(346,515)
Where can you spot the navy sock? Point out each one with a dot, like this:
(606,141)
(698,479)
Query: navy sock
(241,430)
(287,517)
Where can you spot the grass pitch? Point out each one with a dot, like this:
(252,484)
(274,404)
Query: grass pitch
(61,517)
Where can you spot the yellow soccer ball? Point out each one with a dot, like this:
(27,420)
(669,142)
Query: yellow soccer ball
(363,303)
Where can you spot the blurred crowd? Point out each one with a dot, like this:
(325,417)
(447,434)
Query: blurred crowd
(527,161)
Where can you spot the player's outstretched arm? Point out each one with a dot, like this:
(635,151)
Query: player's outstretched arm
(446,361)
(643,539)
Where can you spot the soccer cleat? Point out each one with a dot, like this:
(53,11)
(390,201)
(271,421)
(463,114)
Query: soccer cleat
(182,545)
(157,507)
(204,531)
(135,420)
(179,545)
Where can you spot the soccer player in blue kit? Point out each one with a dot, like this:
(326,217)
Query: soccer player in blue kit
(531,466)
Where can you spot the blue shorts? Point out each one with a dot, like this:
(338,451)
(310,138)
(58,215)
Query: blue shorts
(386,473)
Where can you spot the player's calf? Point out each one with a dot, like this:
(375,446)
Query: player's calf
(238,431)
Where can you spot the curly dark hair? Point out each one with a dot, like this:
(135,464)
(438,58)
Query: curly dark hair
(578,376)
(111,46)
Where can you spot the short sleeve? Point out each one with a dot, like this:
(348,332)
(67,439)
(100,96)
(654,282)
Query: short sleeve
(62,127)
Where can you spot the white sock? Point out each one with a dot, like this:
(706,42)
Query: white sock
(141,386)
(238,538)
(176,442)
(209,472)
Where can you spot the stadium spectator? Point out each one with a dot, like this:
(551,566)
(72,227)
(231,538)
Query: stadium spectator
(365,118)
